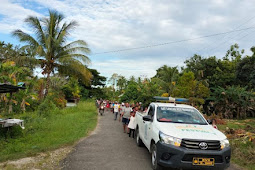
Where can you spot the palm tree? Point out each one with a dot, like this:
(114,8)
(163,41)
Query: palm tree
(53,53)
(122,82)
(168,76)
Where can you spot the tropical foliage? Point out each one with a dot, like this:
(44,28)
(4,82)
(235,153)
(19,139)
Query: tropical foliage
(52,52)
(63,65)
(223,87)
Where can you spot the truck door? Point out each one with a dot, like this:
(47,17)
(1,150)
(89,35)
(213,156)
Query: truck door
(148,126)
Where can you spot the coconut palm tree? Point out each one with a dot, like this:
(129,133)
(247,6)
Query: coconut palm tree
(53,53)
(168,76)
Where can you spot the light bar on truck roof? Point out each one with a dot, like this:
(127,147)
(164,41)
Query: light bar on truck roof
(171,99)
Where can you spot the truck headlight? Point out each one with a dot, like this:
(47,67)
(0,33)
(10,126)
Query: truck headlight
(224,143)
(169,139)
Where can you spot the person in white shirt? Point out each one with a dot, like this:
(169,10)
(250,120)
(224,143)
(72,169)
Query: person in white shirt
(132,124)
(116,109)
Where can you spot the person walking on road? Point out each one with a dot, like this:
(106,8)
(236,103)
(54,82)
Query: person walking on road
(116,109)
(125,117)
(121,110)
(132,124)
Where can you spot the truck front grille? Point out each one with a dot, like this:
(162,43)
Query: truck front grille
(194,144)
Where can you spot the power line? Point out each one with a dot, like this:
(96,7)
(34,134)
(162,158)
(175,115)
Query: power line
(246,35)
(230,38)
(240,25)
(173,42)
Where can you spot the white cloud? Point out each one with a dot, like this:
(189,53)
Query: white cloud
(13,15)
(109,25)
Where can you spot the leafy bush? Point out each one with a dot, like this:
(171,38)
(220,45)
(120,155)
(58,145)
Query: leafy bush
(233,102)
(72,89)
(47,107)
(13,132)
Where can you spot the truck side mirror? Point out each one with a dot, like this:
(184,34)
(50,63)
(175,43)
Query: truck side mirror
(147,118)
(209,121)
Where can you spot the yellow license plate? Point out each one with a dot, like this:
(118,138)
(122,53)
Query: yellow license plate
(203,161)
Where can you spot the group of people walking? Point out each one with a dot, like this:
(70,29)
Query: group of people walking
(125,113)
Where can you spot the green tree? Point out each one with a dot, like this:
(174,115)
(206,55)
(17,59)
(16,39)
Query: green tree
(192,89)
(94,89)
(216,72)
(245,72)
(97,79)
(131,93)
(148,89)
(51,48)
(72,88)
(10,73)
(168,77)
(122,83)
(7,52)
(113,80)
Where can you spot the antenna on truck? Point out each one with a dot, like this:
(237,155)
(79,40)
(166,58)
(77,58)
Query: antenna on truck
(171,99)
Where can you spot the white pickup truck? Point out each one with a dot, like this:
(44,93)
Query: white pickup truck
(178,136)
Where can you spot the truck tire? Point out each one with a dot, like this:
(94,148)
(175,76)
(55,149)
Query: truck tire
(154,158)
(139,142)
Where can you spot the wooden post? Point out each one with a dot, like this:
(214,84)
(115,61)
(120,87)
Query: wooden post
(10,103)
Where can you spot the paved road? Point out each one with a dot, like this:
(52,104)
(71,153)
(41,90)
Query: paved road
(108,148)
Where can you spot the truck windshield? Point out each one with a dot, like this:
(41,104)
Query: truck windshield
(180,115)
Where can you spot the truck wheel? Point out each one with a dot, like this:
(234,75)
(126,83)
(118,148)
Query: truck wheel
(139,142)
(154,158)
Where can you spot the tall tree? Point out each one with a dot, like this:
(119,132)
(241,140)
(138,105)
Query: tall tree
(95,87)
(113,80)
(53,53)
(97,79)
(168,76)
(216,72)
(122,83)
(192,89)
(245,72)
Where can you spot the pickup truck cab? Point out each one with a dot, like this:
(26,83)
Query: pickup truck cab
(178,136)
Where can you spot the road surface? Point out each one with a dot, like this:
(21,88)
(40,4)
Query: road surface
(108,148)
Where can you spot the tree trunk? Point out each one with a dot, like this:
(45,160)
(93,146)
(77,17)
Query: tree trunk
(23,105)
(47,85)
(10,104)
(238,112)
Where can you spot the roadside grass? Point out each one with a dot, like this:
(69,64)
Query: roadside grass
(61,128)
(242,144)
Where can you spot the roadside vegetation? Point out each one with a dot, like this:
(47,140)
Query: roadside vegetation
(241,134)
(59,128)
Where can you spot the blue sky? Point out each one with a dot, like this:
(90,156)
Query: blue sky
(108,25)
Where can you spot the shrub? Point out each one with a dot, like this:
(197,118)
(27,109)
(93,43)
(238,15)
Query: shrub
(13,132)
(233,102)
(47,107)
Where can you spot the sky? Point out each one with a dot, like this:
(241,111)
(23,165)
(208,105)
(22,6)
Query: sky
(114,25)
